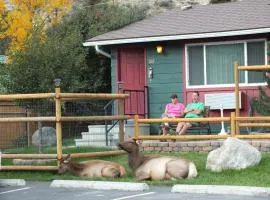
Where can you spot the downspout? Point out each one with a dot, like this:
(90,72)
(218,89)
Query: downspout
(99,51)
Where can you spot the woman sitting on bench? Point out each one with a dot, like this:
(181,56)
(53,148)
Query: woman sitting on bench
(193,110)
(172,110)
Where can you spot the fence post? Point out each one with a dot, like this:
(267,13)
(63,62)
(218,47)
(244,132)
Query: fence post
(136,127)
(121,104)
(236,90)
(27,110)
(58,123)
(233,124)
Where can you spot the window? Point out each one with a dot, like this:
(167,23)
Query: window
(255,56)
(212,64)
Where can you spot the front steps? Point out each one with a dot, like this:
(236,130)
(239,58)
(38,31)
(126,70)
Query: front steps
(96,134)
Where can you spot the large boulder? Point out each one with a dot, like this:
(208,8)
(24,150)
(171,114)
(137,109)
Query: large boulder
(233,154)
(46,136)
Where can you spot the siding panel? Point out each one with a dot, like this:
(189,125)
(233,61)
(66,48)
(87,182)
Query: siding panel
(167,79)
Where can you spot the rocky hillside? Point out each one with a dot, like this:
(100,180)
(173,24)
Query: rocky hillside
(156,6)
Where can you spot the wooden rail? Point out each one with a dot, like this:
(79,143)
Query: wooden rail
(27,119)
(95,118)
(28,168)
(96,96)
(253,119)
(64,119)
(255,68)
(69,96)
(13,97)
(175,120)
(54,156)
(182,137)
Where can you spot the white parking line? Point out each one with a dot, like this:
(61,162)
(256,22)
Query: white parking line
(15,190)
(132,196)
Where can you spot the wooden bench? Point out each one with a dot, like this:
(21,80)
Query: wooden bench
(201,125)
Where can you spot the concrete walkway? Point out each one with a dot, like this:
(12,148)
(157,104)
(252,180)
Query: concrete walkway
(128,186)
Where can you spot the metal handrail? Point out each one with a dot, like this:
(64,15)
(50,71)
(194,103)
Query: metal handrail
(137,94)
(107,130)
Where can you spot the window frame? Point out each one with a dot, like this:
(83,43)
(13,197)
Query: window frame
(244,42)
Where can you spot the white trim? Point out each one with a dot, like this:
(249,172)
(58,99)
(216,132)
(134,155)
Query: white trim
(226,85)
(244,42)
(178,37)
(227,42)
(99,51)
(204,65)
(265,50)
(187,64)
(245,62)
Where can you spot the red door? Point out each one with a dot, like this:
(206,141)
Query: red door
(132,73)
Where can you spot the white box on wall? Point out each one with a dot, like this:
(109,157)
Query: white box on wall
(227,100)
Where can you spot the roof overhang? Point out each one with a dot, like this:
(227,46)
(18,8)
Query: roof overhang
(177,37)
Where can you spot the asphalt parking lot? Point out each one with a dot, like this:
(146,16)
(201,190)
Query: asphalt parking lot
(43,191)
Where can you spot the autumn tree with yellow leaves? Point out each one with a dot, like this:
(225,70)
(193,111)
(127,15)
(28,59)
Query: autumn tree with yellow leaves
(18,22)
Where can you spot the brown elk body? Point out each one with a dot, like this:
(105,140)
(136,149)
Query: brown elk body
(91,168)
(157,167)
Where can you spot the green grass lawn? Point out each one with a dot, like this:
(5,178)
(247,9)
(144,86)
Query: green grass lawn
(253,176)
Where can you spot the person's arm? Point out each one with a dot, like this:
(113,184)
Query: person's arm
(182,111)
(182,114)
(187,109)
(166,110)
(199,110)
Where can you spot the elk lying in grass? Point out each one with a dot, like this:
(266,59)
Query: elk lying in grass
(91,168)
(157,167)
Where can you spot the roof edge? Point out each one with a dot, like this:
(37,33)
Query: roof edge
(178,37)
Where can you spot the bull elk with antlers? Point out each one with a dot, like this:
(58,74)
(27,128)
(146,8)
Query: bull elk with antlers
(157,167)
(91,168)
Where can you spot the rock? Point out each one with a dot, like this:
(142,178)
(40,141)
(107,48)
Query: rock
(48,137)
(233,154)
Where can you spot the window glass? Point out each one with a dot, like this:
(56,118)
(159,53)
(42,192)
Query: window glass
(196,71)
(220,62)
(255,56)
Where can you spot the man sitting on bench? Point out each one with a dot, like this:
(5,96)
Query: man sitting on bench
(172,110)
(193,110)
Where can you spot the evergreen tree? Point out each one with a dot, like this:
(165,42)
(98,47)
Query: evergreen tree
(261,104)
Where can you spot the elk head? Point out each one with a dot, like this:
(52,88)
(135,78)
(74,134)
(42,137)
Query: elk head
(64,164)
(129,145)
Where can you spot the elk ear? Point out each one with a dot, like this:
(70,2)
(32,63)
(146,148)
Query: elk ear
(134,140)
(66,161)
(139,142)
(68,158)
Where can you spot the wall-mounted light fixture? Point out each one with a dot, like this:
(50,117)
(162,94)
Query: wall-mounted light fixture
(160,49)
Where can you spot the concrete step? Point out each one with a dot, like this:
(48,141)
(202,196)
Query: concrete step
(95,143)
